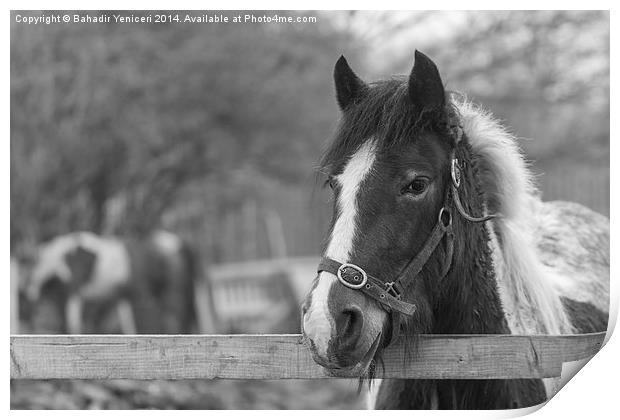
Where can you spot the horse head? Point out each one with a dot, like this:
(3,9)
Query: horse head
(404,188)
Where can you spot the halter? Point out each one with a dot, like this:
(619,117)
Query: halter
(389,293)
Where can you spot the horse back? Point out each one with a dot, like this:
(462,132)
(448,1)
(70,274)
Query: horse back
(573,244)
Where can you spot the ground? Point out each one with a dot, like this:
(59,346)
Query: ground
(186,394)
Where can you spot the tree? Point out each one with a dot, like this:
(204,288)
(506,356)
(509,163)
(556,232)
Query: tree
(129,116)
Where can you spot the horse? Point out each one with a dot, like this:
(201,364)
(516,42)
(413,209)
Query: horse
(149,282)
(438,228)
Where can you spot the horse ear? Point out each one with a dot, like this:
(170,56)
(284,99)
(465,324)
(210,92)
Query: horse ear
(425,86)
(348,86)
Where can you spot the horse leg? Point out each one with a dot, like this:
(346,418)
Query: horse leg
(125,316)
(73,314)
(207,318)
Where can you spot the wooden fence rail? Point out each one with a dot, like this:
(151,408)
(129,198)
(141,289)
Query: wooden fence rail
(285,357)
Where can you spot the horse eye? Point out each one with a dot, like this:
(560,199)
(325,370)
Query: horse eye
(331,182)
(417,187)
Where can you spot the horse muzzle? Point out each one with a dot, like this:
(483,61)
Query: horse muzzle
(340,327)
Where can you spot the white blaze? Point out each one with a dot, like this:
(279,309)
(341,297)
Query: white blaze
(318,322)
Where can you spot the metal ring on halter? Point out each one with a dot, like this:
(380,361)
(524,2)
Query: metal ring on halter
(442,212)
(455,171)
(360,273)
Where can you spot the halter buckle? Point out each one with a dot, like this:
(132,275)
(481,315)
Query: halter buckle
(389,288)
(352,276)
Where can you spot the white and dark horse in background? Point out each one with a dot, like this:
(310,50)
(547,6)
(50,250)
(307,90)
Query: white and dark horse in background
(149,283)
(539,268)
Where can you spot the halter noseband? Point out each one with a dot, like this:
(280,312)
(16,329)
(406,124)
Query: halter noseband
(389,293)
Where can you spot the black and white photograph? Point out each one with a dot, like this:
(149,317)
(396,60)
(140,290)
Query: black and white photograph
(307,209)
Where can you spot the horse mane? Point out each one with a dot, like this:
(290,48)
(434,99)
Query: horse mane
(531,305)
(384,114)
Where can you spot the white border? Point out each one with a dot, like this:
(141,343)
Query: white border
(593,393)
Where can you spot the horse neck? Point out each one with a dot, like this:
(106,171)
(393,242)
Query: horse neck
(469,301)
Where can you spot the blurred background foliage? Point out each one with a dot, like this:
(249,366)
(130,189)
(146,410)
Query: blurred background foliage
(215,130)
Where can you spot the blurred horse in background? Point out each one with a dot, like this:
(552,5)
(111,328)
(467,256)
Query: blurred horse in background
(84,283)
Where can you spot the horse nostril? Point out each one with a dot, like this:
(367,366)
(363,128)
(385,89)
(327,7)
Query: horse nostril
(349,326)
